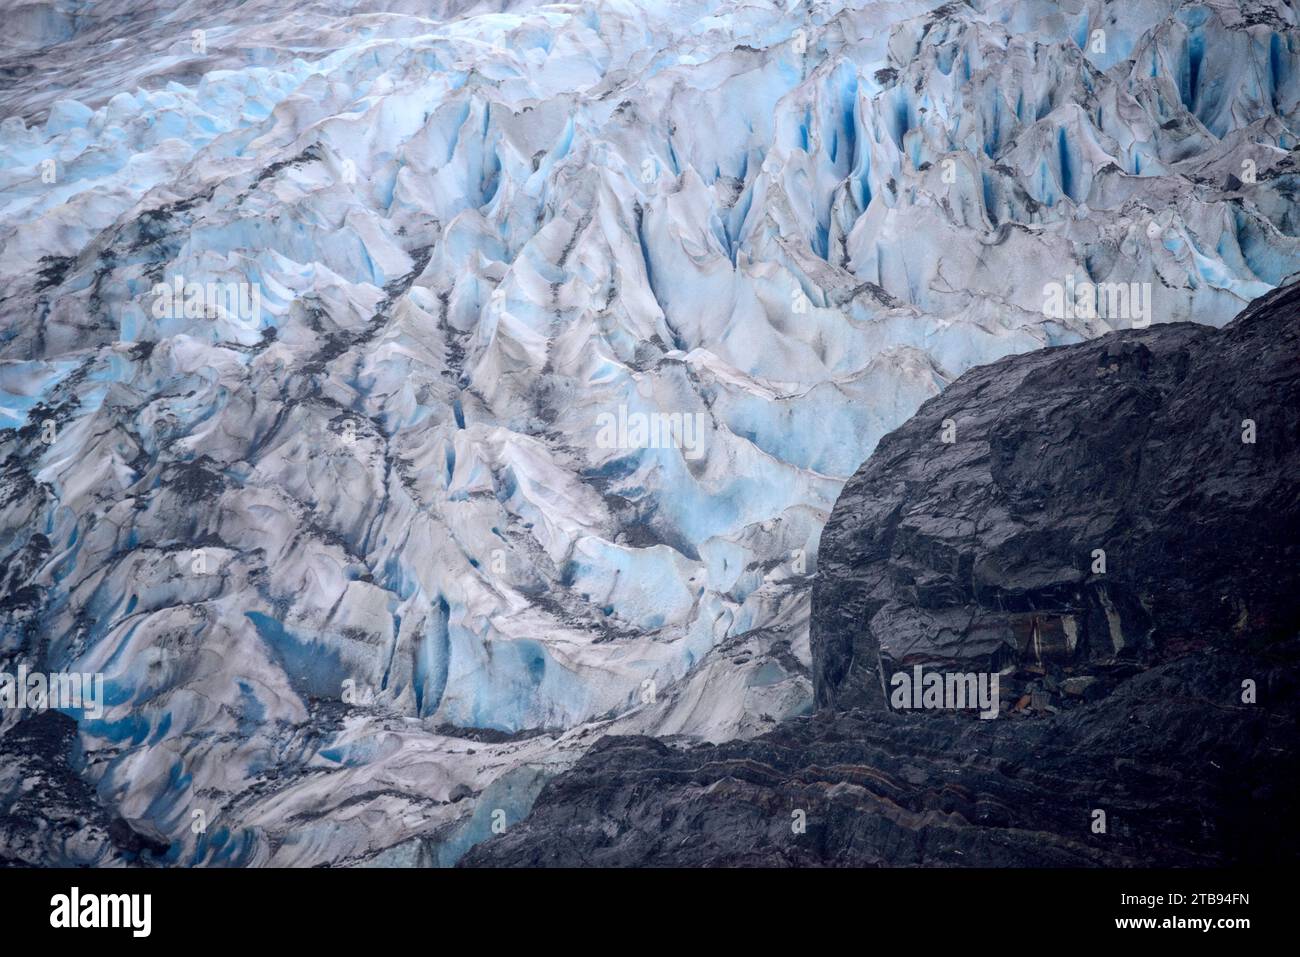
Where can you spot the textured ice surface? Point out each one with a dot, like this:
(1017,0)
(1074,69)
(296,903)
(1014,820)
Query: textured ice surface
(473,232)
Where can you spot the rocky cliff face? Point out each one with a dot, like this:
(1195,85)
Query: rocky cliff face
(1185,774)
(1074,513)
(1131,734)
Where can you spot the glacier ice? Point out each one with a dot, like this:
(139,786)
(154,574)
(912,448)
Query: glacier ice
(474,229)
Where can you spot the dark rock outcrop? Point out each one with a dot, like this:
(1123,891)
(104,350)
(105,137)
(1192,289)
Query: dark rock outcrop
(49,815)
(979,554)
(1185,774)
(1152,707)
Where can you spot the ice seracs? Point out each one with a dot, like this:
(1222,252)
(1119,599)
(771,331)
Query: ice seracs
(475,235)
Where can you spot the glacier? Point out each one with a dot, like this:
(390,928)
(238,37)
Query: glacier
(355,565)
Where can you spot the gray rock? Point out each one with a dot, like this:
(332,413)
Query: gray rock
(978,555)
(1079,685)
(1185,774)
